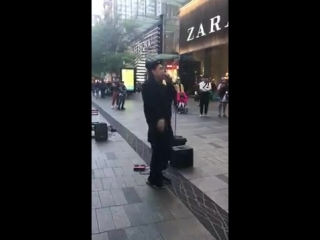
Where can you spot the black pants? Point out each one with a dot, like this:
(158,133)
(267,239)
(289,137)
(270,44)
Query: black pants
(204,102)
(103,93)
(161,154)
(222,106)
(121,101)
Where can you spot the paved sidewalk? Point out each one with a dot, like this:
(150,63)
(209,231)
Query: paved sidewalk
(208,137)
(124,207)
(195,109)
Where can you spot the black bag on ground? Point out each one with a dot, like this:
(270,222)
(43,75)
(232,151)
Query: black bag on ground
(101,132)
(179,141)
(182,157)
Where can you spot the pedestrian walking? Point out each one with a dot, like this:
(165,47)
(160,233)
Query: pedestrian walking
(93,86)
(157,103)
(115,93)
(223,92)
(122,96)
(98,88)
(213,90)
(103,88)
(204,94)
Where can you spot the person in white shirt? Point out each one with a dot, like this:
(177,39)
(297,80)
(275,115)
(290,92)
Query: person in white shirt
(204,92)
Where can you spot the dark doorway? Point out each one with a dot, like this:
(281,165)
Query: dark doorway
(188,71)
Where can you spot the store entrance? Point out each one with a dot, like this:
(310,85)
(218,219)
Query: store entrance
(219,62)
(189,71)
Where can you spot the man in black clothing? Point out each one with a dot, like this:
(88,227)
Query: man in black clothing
(103,88)
(157,101)
(98,88)
(122,96)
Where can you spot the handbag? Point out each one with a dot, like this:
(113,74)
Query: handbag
(225,98)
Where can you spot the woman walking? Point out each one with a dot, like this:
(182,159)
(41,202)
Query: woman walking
(115,93)
(223,91)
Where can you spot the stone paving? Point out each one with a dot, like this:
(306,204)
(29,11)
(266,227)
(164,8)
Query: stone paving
(208,137)
(125,208)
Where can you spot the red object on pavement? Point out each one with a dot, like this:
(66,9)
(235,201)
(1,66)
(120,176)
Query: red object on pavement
(139,167)
(94,112)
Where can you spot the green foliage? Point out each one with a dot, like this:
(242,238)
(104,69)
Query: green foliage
(113,62)
(130,25)
(110,40)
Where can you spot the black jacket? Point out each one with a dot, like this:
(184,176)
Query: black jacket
(122,90)
(223,88)
(157,104)
(103,86)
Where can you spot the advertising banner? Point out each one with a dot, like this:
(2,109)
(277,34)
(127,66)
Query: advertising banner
(128,76)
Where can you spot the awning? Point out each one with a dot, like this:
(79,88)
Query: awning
(162,57)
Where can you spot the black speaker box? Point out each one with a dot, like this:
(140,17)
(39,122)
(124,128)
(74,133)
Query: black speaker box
(101,132)
(182,157)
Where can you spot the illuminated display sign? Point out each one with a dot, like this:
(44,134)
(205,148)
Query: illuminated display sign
(127,76)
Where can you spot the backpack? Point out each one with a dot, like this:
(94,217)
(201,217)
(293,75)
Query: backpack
(223,87)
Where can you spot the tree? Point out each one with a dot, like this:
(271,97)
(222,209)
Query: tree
(110,40)
(113,62)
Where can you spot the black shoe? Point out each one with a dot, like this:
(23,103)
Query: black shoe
(219,115)
(123,108)
(166,180)
(157,185)
(224,115)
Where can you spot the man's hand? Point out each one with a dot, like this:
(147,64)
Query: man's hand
(167,77)
(160,125)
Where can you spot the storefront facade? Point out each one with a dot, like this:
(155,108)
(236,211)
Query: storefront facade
(147,44)
(204,36)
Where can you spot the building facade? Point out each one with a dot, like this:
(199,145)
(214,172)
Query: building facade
(108,8)
(132,9)
(148,44)
(203,36)
(159,38)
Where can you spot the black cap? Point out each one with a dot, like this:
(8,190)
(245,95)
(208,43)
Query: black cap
(150,65)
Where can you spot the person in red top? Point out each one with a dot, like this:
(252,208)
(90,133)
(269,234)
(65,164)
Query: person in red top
(182,97)
(115,93)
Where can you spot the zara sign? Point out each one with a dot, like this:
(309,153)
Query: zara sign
(203,24)
(201,32)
